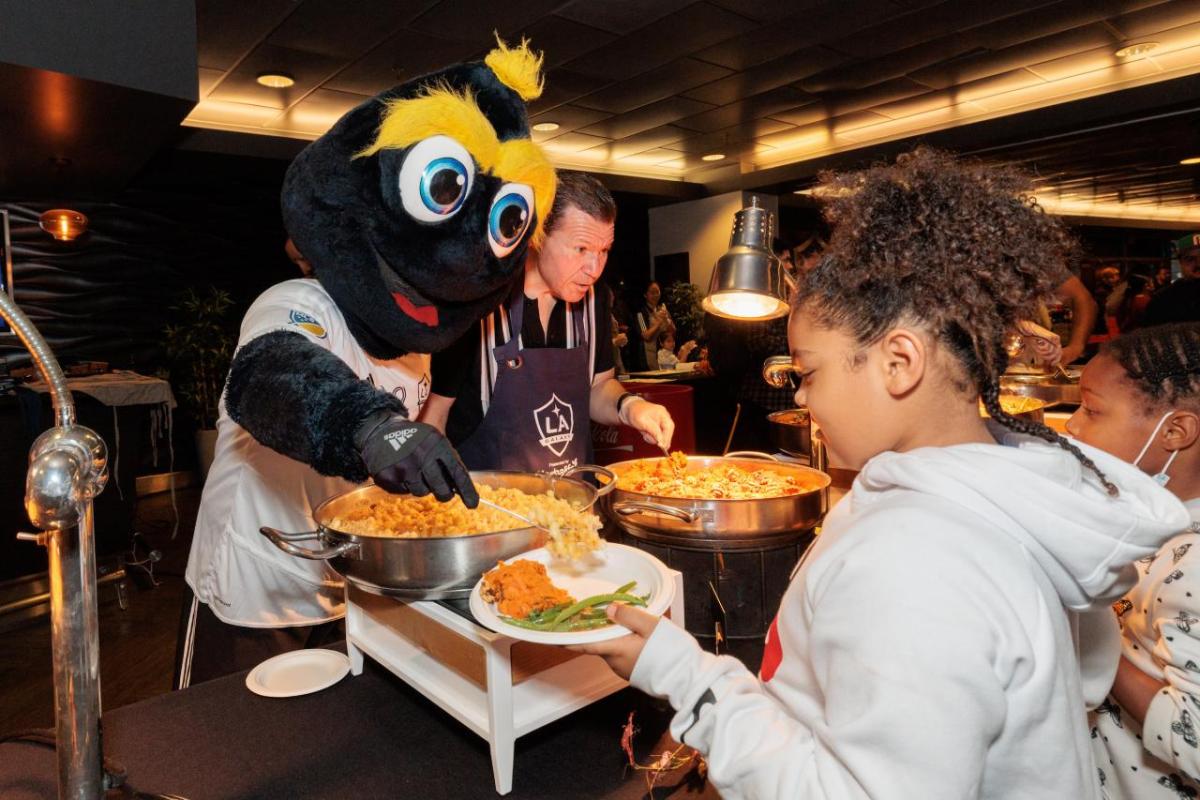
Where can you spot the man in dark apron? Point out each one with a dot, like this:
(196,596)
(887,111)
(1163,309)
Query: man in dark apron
(520,392)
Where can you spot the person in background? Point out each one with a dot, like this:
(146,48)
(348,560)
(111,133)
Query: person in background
(619,340)
(667,357)
(1141,402)
(922,649)
(1162,278)
(1180,301)
(518,391)
(1134,302)
(1084,312)
(297,258)
(653,319)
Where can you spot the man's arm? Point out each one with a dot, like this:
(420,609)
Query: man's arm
(606,390)
(649,419)
(1083,317)
(436,411)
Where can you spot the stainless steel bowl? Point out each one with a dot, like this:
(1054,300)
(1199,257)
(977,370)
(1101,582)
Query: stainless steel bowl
(721,524)
(791,431)
(435,567)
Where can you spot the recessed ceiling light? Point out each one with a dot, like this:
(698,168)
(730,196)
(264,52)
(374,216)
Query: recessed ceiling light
(712,157)
(1136,49)
(1192,160)
(545,127)
(276,80)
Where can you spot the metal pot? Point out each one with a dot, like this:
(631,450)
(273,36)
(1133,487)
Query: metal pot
(435,567)
(720,524)
(791,431)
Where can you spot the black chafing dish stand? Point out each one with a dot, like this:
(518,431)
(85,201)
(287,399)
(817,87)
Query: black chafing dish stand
(365,737)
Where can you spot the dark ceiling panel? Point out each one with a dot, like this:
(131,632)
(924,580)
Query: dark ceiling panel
(915,29)
(308,69)
(570,117)
(645,118)
(339,29)
(563,86)
(770,10)
(724,140)
(641,142)
(228,29)
(1157,16)
(772,75)
(475,20)
(745,111)
(985,63)
(679,34)
(619,16)
(404,56)
(657,84)
(560,39)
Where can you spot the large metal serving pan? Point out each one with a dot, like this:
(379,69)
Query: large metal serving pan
(436,567)
(720,524)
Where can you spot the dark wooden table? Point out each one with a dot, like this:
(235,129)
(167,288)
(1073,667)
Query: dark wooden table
(366,737)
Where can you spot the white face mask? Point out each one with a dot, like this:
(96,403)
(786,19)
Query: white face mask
(1161,477)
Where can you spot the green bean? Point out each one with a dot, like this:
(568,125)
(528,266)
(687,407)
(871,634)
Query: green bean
(625,589)
(529,624)
(596,600)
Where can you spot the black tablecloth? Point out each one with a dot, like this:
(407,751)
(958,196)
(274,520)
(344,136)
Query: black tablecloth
(369,736)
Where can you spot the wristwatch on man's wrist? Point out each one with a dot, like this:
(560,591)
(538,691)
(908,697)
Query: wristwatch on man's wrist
(622,402)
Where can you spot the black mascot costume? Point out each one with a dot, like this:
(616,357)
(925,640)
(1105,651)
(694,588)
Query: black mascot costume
(415,211)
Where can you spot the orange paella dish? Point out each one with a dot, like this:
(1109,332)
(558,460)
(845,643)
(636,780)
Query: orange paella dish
(675,478)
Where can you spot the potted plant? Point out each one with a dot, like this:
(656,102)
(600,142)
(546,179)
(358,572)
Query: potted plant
(683,301)
(200,345)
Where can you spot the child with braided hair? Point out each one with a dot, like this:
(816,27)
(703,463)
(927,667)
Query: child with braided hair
(1141,402)
(924,647)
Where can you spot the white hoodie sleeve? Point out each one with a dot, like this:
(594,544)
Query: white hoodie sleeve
(900,648)
(1172,727)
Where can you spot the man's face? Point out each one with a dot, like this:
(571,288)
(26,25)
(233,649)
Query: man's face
(573,255)
(1189,263)
(653,295)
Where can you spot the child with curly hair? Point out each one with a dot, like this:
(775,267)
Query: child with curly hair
(1141,402)
(924,648)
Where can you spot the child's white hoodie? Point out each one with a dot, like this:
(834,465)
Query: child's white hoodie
(924,649)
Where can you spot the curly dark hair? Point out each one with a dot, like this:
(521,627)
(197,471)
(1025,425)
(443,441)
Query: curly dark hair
(957,246)
(1163,363)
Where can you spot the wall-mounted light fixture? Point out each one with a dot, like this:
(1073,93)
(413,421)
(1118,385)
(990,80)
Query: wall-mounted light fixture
(63,223)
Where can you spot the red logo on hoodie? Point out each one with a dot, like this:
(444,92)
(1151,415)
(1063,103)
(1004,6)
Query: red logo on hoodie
(772,653)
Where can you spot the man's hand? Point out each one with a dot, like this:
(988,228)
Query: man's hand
(652,421)
(411,457)
(622,654)
(1046,346)
(1071,353)
(621,339)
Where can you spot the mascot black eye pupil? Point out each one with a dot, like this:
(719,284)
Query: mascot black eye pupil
(510,217)
(445,185)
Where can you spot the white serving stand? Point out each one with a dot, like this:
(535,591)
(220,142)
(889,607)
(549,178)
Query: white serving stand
(499,687)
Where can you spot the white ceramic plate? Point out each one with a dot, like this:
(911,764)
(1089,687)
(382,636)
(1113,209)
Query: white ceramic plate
(599,573)
(298,672)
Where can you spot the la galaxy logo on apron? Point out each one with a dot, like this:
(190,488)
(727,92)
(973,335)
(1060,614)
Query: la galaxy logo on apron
(555,422)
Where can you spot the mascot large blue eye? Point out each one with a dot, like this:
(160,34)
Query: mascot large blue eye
(511,213)
(436,178)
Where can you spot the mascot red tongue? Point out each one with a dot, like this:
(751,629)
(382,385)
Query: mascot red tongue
(399,210)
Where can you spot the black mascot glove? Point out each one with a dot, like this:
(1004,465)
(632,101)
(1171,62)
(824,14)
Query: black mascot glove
(412,457)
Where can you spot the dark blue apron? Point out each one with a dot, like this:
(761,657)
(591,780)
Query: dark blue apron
(538,419)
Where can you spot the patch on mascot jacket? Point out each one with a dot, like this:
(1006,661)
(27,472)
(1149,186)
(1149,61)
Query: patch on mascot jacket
(307,322)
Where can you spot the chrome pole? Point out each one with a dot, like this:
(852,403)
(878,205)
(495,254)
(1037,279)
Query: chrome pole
(67,469)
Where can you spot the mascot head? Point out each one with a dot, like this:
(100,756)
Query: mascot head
(417,207)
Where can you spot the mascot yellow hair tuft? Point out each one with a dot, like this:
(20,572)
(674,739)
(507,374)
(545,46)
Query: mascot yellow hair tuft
(518,68)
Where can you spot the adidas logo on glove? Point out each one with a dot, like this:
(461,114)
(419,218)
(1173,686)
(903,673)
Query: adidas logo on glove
(397,438)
